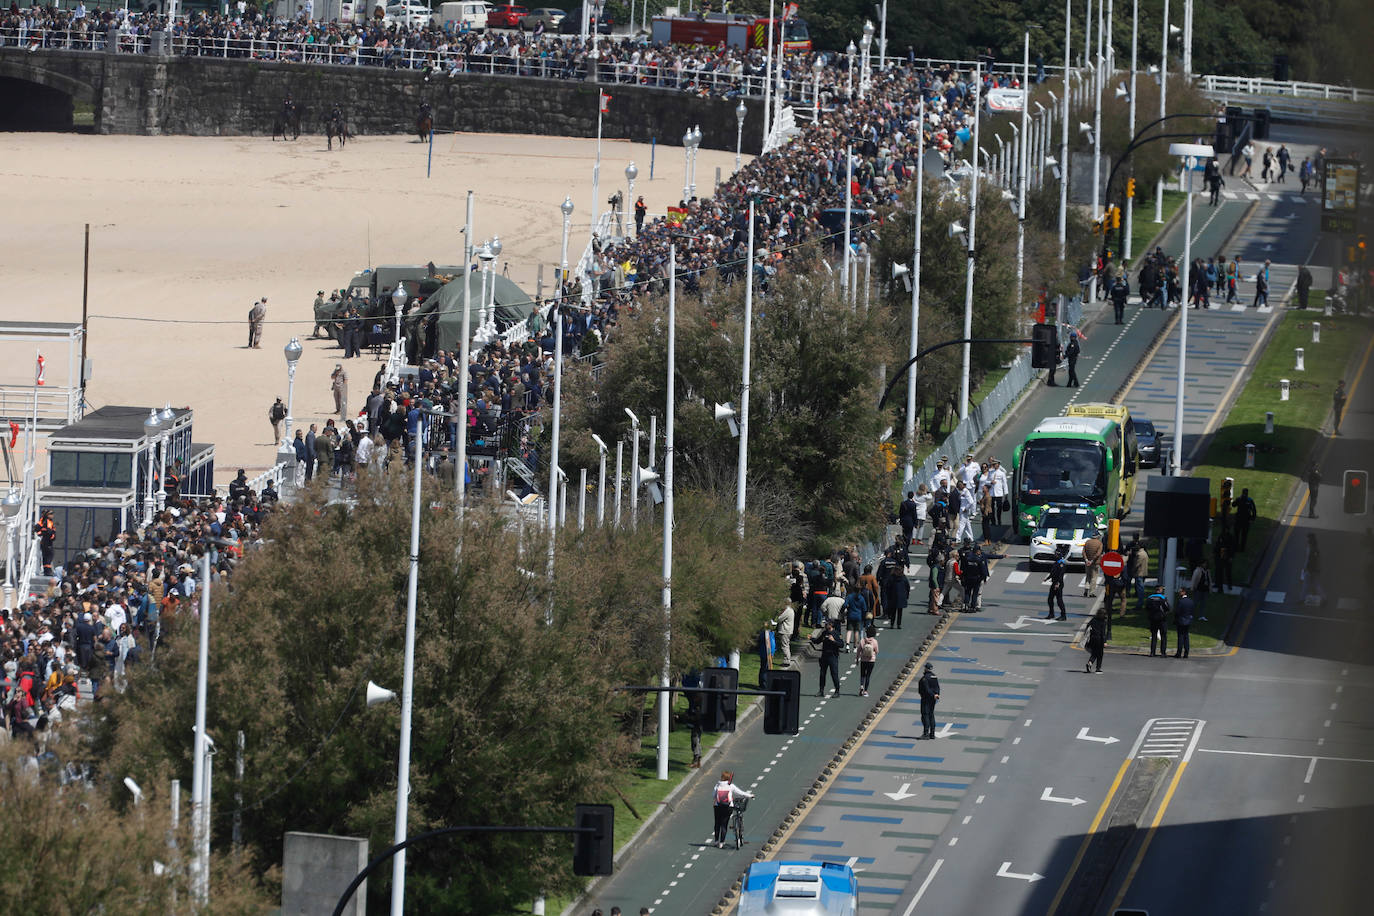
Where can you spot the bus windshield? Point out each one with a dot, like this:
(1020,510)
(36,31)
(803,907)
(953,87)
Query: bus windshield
(1063,470)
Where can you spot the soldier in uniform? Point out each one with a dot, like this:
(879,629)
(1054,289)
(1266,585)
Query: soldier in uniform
(256,316)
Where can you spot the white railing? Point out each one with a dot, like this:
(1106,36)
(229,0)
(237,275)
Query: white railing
(395,359)
(276,475)
(1246,85)
(57,405)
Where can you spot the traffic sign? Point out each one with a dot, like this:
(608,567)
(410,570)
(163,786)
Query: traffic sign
(1112,564)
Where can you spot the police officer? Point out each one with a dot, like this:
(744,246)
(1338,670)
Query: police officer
(1156,612)
(1056,581)
(1071,352)
(929,688)
(1183,619)
(1120,291)
(1097,641)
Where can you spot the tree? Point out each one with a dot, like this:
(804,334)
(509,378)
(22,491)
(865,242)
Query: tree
(514,722)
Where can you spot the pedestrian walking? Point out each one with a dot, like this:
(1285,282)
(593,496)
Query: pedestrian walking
(257,315)
(1249,153)
(1261,286)
(929,689)
(828,641)
(1183,622)
(1071,353)
(986,509)
(1156,615)
(725,794)
(1097,641)
(1000,500)
(964,528)
(896,595)
(1305,173)
(1338,405)
(1284,160)
(1314,482)
(1055,580)
(276,413)
(868,657)
(906,515)
(1120,292)
(1232,278)
(1092,565)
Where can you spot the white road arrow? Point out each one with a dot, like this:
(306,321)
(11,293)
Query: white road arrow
(1075,801)
(1084,736)
(901,794)
(1024,621)
(1004,872)
(946,730)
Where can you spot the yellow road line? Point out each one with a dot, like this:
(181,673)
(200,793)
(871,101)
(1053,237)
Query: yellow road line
(1087,838)
(1251,611)
(1149,835)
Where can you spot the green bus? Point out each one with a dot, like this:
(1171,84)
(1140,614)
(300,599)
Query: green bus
(1080,460)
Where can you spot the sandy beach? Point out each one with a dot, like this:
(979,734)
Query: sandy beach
(187,232)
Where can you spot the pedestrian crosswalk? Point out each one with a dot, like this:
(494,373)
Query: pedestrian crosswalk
(1292,198)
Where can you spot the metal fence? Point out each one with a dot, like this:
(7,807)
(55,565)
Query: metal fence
(1248,85)
(981,418)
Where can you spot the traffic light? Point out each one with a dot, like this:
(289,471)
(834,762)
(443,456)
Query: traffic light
(1360,249)
(1043,340)
(1356,492)
(782,715)
(719,708)
(1130,187)
(1116,217)
(1097,227)
(593,852)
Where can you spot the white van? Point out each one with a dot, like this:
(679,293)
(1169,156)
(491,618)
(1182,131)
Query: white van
(472,12)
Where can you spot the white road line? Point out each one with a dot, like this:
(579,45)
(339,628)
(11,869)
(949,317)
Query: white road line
(992,779)
(1311,768)
(954,841)
(1212,750)
(967,818)
(1348,604)
(1017,576)
(1273,597)
(1317,617)
(921,891)
(979,799)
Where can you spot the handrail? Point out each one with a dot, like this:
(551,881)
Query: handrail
(1250,85)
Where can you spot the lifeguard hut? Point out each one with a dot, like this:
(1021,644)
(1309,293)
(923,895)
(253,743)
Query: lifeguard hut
(57,401)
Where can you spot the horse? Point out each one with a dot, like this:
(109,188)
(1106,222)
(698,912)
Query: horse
(336,127)
(288,119)
(424,124)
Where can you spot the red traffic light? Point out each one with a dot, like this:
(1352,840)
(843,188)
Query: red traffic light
(1355,492)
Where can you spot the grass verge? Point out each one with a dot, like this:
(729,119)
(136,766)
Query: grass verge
(1281,458)
(1131,632)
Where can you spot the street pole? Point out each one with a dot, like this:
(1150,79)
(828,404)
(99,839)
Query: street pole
(398,865)
(200,816)
(665,701)
(740,112)
(882,40)
(1163,90)
(1130,117)
(553,456)
(619,458)
(1099,76)
(768,80)
(1189,151)
(634,472)
(743,463)
(687,166)
(1188,40)
(1064,136)
(915,292)
(972,229)
(1022,166)
(460,465)
(601,488)
(567,209)
(848,205)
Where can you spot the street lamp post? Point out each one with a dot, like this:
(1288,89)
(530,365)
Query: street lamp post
(817,67)
(972,229)
(398,300)
(740,112)
(1190,153)
(1064,135)
(915,290)
(293,351)
(743,463)
(1130,119)
(460,461)
(631,173)
(849,80)
(696,145)
(486,255)
(1022,166)
(398,864)
(489,308)
(866,42)
(882,38)
(687,166)
(601,483)
(567,208)
(150,431)
(665,702)
(1163,91)
(634,470)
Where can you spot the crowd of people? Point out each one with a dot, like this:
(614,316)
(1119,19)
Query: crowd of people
(106,608)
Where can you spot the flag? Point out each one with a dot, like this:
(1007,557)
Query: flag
(676,215)
(39,378)
(605,103)
(789,11)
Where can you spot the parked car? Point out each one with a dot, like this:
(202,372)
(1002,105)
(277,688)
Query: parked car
(572,21)
(1148,441)
(1063,525)
(505,16)
(551,18)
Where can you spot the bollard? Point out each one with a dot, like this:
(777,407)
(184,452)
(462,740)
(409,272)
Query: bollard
(1269,422)
(1283,389)
(1249,454)
(1316,332)
(1299,367)
(1326,309)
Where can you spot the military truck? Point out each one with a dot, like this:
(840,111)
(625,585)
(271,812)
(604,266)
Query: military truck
(370,292)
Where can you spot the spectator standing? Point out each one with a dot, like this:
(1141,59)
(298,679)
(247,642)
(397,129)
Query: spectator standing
(1000,502)
(1246,513)
(1223,552)
(923,501)
(1314,483)
(338,385)
(1183,622)
(785,623)
(1156,613)
(1199,585)
(929,689)
(906,516)
(1304,285)
(298,445)
(310,453)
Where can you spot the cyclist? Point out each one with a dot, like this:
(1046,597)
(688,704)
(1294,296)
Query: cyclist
(725,794)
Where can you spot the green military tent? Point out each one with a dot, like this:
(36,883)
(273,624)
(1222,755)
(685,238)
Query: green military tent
(512,306)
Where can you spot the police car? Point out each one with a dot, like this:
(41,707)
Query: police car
(1070,526)
(801,888)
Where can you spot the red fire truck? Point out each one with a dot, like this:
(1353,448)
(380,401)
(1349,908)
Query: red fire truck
(731,30)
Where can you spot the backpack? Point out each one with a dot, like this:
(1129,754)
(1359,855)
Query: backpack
(868,650)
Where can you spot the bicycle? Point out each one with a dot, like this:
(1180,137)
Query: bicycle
(736,822)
